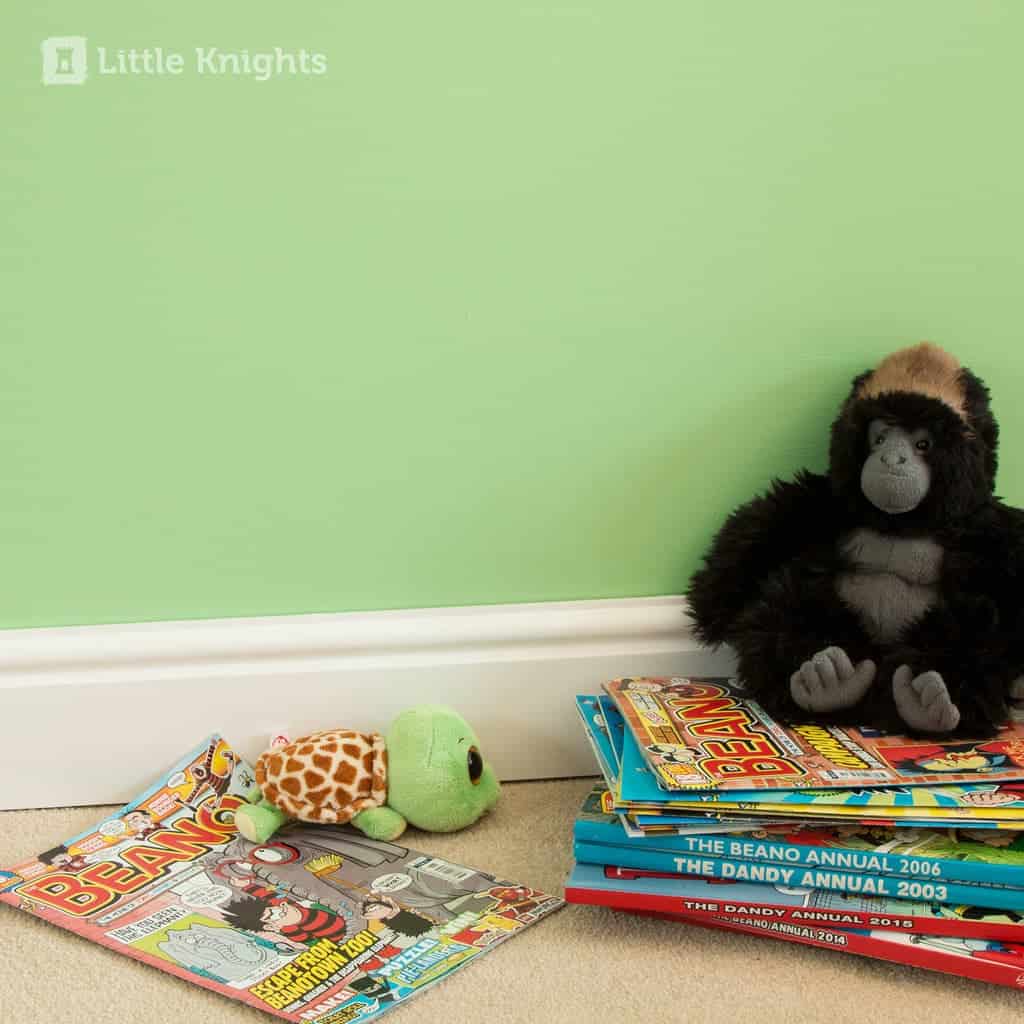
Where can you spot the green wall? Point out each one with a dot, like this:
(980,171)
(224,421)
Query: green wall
(513,304)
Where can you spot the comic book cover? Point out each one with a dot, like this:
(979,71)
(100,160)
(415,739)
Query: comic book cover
(616,750)
(594,824)
(320,924)
(597,729)
(981,959)
(616,728)
(636,890)
(707,734)
(638,792)
(603,726)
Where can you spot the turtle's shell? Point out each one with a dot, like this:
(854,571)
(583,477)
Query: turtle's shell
(327,777)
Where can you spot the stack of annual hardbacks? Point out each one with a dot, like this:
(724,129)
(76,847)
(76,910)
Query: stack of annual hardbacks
(893,847)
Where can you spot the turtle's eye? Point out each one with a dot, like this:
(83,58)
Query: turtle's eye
(474,765)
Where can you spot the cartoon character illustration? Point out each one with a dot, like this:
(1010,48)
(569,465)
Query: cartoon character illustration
(981,913)
(519,901)
(970,913)
(302,841)
(954,758)
(62,858)
(996,797)
(141,823)
(376,991)
(264,910)
(381,911)
(670,753)
(218,953)
(1007,839)
(443,897)
(522,897)
(484,931)
(205,775)
(337,869)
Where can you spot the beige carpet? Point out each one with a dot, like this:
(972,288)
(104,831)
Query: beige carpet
(582,964)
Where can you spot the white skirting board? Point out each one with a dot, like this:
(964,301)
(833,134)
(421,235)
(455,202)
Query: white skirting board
(92,714)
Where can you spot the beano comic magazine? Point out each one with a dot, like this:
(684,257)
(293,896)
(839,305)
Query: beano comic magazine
(597,717)
(707,734)
(636,795)
(645,808)
(633,797)
(320,924)
(996,802)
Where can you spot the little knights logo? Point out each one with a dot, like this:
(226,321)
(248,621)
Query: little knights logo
(65,60)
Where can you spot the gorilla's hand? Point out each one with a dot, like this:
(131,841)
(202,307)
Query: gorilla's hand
(923,701)
(830,682)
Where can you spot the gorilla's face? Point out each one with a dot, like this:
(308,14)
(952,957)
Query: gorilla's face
(896,476)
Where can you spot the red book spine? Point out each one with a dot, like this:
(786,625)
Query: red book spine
(1004,967)
(809,916)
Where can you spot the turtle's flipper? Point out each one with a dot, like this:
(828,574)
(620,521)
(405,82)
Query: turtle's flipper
(258,822)
(381,823)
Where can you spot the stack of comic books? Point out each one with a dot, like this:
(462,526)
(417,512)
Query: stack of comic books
(903,849)
(320,924)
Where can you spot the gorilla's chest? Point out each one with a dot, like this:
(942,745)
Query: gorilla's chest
(891,582)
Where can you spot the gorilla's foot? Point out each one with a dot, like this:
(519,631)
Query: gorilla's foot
(830,682)
(923,701)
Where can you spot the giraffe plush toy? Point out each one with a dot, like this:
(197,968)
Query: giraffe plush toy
(428,772)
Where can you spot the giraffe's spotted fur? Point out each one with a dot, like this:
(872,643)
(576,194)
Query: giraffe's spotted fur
(327,777)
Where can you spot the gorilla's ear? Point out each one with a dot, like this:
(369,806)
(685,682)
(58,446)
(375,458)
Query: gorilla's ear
(979,415)
(858,383)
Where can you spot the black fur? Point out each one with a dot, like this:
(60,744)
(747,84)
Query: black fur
(768,585)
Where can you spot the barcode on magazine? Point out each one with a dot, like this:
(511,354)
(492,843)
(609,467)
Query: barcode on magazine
(442,869)
(838,775)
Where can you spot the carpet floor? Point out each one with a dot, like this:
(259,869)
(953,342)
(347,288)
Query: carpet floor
(581,964)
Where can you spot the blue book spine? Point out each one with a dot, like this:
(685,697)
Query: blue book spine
(801,876)
(605,832)
(875,862)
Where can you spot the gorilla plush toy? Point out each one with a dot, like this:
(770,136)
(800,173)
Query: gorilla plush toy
(890,590)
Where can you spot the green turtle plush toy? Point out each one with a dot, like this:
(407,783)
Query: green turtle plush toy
(428,772)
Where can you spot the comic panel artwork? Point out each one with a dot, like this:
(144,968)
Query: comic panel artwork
(319,924)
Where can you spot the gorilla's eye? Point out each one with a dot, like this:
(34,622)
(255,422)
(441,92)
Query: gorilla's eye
(474,765)
(879,439)
(923,445)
